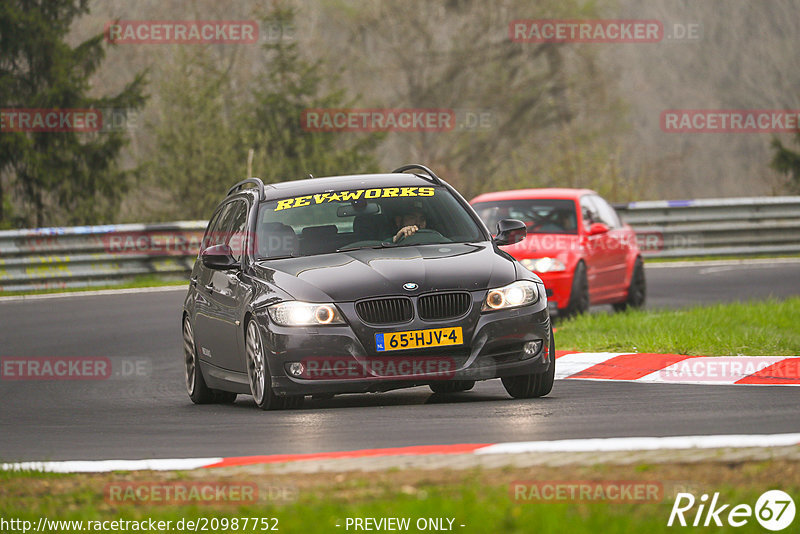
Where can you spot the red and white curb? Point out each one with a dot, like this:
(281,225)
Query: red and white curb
(562,446)
(679,368)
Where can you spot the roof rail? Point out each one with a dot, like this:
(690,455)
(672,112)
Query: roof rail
(240,185)
(435,179)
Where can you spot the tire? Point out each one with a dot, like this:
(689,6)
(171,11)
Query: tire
(224,397)
(259,376)
(579,296)
(452,386)
(258,370)
(196,386)
(534,384)
(637,290)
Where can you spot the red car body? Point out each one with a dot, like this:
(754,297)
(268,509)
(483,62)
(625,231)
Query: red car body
(582,236)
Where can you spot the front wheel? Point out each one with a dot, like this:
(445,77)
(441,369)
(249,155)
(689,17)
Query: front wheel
(534,384)
(259,376)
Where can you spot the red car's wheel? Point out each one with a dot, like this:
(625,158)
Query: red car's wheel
(637,290)
(579,296)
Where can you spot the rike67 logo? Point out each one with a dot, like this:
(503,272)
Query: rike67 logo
(774,510)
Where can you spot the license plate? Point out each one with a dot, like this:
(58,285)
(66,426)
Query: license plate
(418,339)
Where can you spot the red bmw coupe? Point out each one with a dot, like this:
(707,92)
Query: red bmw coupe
(576,243)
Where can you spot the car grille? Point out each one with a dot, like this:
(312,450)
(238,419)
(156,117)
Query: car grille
(385,311)
(443,305)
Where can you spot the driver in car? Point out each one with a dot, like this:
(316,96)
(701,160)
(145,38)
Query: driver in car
(409,223)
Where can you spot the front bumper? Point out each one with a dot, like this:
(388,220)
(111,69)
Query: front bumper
(493,347)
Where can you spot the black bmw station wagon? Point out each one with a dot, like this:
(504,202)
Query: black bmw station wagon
(362,283)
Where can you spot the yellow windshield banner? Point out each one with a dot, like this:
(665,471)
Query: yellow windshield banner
(343,196)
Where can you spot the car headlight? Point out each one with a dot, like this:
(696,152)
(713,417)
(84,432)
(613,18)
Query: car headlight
(543,265)
(513,295)
(296,313)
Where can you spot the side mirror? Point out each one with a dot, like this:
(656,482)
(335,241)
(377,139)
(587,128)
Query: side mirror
(598,228)
(218,257)
(510,231)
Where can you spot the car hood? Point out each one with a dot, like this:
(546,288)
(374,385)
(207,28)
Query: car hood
(353,275)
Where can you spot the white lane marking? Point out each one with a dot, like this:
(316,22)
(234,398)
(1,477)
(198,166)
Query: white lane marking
(640,444)
(95,293)
(566,445)
(712,270)
(571,364)
(756,262)
(105,466)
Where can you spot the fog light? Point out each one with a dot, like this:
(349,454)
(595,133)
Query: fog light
(296,368)
(532,348)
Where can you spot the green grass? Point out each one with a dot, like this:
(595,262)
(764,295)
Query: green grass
(755,328)
(479,506)
(148,280)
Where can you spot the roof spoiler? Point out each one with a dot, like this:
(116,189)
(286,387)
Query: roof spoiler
(239,186)
(415,166)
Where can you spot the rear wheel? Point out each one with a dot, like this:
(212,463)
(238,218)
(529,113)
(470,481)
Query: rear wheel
(579,296)
(637,290)
(196,386)
(534,384)
(452,386)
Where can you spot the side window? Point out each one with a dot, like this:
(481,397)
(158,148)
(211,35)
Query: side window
(589,212)
(606,213)
(212,231)
(219,236)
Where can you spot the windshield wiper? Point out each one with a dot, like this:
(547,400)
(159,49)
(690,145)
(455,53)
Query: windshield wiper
(281,257)
(384,244)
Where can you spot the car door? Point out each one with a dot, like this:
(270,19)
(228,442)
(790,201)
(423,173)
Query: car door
(225,292)
(617,244)
(598,263)
(201,279)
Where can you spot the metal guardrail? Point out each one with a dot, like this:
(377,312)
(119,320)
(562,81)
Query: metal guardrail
(715,227)
(86,256)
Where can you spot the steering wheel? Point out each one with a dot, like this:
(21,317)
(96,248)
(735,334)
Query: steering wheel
(429,233)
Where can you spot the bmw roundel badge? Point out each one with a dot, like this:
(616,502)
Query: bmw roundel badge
(410,286)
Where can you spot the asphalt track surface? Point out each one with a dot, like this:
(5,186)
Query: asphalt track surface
(149,415)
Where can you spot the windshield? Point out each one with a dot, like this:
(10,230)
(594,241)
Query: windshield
(540,215)
(333,221)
